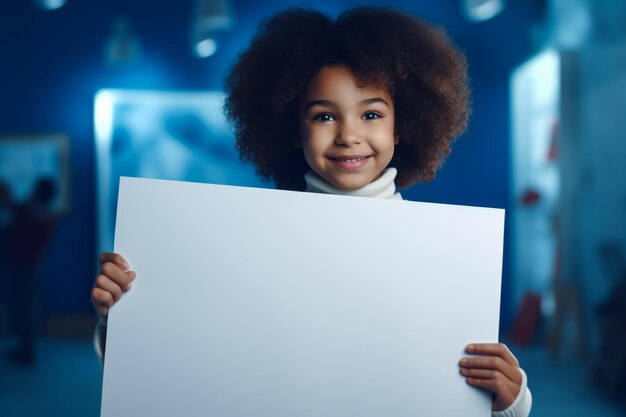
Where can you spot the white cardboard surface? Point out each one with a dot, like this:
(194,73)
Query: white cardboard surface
(253,302)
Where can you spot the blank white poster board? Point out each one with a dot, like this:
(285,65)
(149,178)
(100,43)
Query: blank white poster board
(254,302)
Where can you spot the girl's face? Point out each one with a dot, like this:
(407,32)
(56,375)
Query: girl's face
(346,130)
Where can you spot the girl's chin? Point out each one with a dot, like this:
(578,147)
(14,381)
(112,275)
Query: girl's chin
(347,182)
(352,182)
(349,185)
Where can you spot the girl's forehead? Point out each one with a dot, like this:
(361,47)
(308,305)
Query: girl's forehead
(339,80)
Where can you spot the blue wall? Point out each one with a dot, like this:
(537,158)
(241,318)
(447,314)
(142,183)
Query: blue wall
(52,66)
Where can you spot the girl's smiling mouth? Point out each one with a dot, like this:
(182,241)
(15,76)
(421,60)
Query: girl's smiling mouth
(350,161)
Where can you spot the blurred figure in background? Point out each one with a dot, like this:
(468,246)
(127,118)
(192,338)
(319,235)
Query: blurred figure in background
(6,214)
(25,240)
(6,202)
(608,369)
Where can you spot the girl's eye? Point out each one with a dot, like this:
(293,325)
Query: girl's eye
(371,115)
(324,117)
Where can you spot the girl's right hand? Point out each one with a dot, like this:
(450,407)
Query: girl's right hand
(114,279)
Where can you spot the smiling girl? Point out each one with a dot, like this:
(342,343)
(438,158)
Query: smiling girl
(346,131)
(355,106)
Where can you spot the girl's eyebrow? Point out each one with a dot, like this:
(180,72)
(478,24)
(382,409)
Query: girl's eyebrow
(328,103)
(375,100)
(325,103)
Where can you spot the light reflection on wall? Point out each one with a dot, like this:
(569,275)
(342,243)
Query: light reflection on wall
(50,4)
(180,136)
(535,175)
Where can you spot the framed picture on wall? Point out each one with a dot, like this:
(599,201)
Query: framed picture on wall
(170,135)
(29,163)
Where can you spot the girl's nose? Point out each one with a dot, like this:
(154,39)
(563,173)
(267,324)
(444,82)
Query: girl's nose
(347,135)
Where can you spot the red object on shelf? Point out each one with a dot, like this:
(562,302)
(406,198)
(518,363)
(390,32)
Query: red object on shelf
(530,197)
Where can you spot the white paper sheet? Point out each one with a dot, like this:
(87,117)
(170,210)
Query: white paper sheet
(252,302)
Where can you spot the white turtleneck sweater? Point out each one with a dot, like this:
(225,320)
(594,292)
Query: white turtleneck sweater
(383,187)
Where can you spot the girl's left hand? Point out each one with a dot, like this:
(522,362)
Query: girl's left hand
(496,370)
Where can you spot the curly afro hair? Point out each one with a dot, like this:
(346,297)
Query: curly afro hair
(425,74)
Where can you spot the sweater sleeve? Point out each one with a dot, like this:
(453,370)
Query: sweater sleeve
(522,404)
(100,337)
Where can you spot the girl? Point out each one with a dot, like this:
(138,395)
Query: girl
(355,106)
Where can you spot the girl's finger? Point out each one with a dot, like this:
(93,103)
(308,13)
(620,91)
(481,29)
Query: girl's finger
(115,258)
(113,272)
(100,297)
(104,283)
(493,349)
(493,363)
(478,373)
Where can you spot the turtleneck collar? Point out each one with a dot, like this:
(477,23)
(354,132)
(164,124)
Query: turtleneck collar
(383,187)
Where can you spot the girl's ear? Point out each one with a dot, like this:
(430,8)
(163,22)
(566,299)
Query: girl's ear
(396,139)
(297,143)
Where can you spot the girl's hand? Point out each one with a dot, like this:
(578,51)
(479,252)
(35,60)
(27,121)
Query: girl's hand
(496,370)
(114,278)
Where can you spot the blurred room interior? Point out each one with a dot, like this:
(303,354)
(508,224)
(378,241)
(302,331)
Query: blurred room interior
(94,90)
